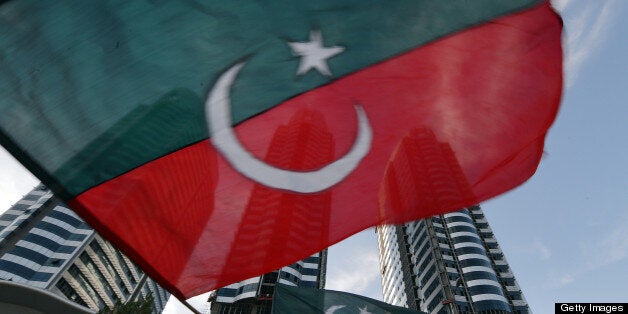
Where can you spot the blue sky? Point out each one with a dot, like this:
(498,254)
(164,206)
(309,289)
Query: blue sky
(565,231)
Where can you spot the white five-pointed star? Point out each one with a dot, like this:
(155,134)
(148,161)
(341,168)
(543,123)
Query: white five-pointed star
(364,310)
(313,54)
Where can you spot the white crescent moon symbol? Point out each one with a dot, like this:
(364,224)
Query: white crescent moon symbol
(218,116)
(333,309)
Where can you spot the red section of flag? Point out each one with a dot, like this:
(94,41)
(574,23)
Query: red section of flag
(454,123)
(302,144)
(157,213)
(422,175)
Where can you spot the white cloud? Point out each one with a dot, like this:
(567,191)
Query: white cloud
(540,249)
(556,280)
(535,249)
(566,279)
(601,251)
(611,248)
(355,273)
(585,31)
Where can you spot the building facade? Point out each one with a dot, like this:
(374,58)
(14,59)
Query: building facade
(448,263)
(44,244)
(255,295)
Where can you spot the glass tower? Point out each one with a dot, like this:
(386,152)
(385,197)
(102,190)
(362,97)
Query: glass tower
(448,263)
(44,244)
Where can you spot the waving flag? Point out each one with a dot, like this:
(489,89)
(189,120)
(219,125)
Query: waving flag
(213,141)
(289,300)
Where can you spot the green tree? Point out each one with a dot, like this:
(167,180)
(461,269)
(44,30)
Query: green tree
(142,306)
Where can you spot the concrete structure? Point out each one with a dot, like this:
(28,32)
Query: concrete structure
(44,244)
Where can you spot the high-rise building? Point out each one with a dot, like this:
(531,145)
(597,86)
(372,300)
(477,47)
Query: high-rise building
(44,244)
(255,295)
(448,263)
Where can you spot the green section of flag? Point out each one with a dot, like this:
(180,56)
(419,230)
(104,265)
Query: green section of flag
(290,300)
(138,136)
(79,76)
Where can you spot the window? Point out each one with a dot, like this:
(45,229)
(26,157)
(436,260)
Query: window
(39,276)
(491,305)
(474,262)
(9,217)
(74,222)
(270,278)
(69,292)
(109,266)
(311,259)
(17,269)
(31,197)
(126,268)
(77,237)
(95,271)
(53,228)
(462,239)
(84,283)
(462,229)
(470,250)
(30,255)
(227,292)
(485,289)
(45,242)
(479,275)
